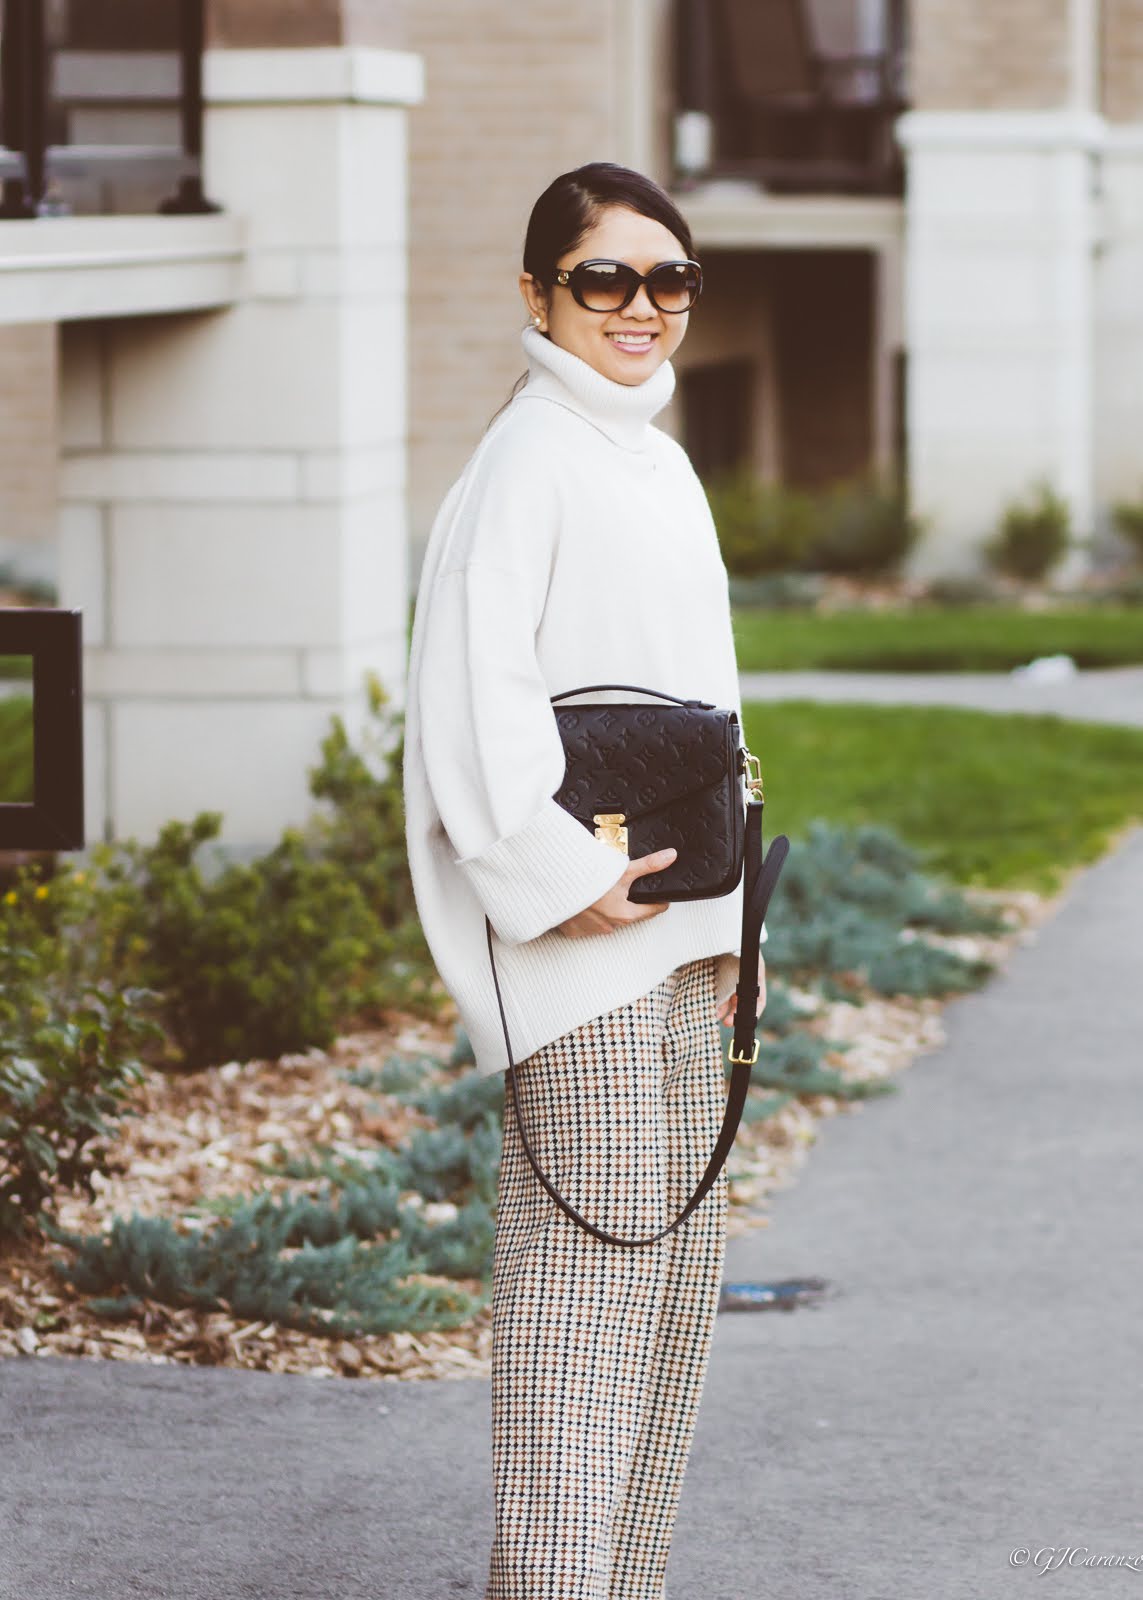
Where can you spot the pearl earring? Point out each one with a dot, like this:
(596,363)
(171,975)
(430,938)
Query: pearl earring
(535,322)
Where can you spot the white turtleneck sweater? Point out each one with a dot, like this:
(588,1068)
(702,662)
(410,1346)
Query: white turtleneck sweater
(576,547)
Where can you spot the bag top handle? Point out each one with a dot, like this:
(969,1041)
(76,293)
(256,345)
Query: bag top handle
(590,688)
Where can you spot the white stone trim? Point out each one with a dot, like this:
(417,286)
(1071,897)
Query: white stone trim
(231,477)
(1019,130)
(1065,129)
(337,74)
(740,216)
(185,673)
(59,268)
(1123,138)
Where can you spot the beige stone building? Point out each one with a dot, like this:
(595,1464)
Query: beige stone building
(203,363)
(921,226)
(258,300)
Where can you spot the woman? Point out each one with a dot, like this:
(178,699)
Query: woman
(577,548)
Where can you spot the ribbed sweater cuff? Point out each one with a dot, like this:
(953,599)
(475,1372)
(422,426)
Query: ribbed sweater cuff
(543,873)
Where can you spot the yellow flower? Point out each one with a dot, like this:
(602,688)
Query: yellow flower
(79,877)
(11,897)
(42,892)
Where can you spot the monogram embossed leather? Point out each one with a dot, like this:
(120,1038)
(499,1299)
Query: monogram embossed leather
(675,774)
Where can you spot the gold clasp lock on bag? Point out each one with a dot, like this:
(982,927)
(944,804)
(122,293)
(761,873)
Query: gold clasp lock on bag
(609,827)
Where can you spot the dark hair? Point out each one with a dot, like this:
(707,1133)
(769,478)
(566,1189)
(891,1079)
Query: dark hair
(569,207)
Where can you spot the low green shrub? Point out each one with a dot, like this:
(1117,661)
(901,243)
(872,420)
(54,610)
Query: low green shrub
(245,1266)
(254,959)
(864,527)
(963,589)
(69,1043)
(1033,535)
(778,591)
(1127,592)
(262,958)
(351,1260)
(861,526)
(358,827)
(762,527)
(852,900)
(1127,516)
(147,957)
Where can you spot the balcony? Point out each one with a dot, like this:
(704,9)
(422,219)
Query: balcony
(101,108)
(797,97)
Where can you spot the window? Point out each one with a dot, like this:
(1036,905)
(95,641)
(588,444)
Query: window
(718,423)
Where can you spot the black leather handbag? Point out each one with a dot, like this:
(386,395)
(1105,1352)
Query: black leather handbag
(645,777)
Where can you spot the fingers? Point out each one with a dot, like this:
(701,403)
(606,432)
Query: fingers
(655,862)
(729,1007)
(639,867)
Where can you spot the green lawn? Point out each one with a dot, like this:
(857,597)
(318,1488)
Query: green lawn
(995,800)
(989,799)
(16,750)
(935,639)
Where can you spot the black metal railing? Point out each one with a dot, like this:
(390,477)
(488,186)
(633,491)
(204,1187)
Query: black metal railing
(757,97)
(101,107)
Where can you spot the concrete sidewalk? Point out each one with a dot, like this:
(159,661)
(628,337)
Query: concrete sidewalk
(970,1388)
(1103,694)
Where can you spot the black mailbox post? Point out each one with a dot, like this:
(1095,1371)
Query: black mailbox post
(53,819)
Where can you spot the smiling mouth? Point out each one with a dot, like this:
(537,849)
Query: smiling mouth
(636,343)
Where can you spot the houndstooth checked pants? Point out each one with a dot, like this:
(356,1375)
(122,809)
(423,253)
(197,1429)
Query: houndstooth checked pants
(599,1353)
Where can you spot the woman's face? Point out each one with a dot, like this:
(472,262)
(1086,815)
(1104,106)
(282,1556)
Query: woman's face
(628,345)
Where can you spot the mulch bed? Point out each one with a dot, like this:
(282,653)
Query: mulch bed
(201,1136)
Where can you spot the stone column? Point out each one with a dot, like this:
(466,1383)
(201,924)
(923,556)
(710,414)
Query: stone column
(234,481)
(1119,262)
(1001,233)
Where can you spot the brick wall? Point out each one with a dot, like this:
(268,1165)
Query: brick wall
(294,24)
(984,55)
(28,432)
(1122,51)
(515,95)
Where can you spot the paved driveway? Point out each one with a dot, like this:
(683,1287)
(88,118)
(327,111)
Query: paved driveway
(970,1389)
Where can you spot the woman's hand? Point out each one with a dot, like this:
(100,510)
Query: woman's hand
(726,1014)
(613,910)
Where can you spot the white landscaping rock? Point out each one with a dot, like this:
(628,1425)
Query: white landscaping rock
(1046,669)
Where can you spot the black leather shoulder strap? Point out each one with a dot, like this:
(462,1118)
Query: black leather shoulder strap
(759,879)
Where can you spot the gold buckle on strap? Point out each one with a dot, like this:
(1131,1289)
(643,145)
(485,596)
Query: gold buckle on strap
(743,1061)
(753,779)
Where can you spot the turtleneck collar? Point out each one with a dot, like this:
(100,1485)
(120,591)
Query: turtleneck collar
(620,410)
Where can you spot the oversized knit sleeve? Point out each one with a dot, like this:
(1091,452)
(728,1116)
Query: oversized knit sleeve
(492,749)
